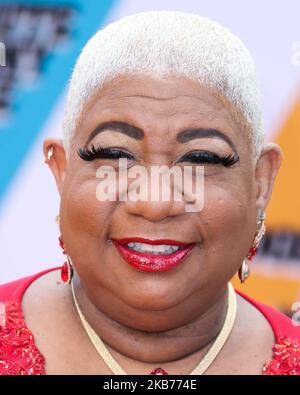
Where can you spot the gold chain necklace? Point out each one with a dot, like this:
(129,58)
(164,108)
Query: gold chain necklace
(200,368)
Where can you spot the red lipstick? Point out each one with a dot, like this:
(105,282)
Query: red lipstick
(151,262)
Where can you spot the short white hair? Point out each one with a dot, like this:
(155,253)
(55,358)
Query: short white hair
(163,43)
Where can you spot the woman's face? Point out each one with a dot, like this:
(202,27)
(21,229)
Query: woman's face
(160,112)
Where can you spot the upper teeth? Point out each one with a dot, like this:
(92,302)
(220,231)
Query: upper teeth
(153,249)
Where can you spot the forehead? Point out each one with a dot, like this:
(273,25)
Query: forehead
(149,100)
(154,89)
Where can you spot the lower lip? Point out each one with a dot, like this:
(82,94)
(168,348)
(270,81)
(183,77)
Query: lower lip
(151,262)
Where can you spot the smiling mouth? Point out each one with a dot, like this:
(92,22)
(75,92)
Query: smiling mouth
(153,255)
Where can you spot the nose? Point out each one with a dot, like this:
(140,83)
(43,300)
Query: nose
(156,194)
(155,211)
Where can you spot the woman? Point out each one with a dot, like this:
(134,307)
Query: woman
(147,281)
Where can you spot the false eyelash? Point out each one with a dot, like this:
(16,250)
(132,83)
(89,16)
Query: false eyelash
(89,154)
(230,160)
(203,157)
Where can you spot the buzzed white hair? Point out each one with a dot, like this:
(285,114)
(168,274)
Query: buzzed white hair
(163,43)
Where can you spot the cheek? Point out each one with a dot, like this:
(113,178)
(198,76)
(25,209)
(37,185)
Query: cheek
(229,218)
(83,216)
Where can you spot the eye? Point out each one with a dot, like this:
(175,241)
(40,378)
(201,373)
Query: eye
(90,154)
(207,157)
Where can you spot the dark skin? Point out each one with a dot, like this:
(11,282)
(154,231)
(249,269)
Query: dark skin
(168,319)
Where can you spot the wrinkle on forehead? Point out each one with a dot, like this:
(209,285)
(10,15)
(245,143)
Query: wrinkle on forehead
(161,92)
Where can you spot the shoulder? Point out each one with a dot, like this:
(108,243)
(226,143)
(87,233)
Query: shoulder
(14,290)
(18,352)
(282,325)
(286,350)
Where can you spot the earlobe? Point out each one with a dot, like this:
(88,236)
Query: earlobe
(266,171)
(55,157)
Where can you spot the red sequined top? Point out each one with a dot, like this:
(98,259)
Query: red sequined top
(20,356)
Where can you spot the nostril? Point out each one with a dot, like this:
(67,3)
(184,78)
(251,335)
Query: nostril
(155,211)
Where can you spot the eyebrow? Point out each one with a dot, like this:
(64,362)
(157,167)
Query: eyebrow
(118,126)
(191,134)
(138,134)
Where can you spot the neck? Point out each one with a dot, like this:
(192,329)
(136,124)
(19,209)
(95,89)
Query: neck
(161,339)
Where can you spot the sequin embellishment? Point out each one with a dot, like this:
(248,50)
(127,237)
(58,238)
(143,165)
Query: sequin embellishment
(286,358)
(18,352)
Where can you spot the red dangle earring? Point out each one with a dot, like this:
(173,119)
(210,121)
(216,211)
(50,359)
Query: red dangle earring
(67,268)
(244,271)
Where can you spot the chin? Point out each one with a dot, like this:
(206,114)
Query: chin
(154,296)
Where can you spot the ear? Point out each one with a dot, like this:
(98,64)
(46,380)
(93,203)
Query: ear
(57,162)
(266,170)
